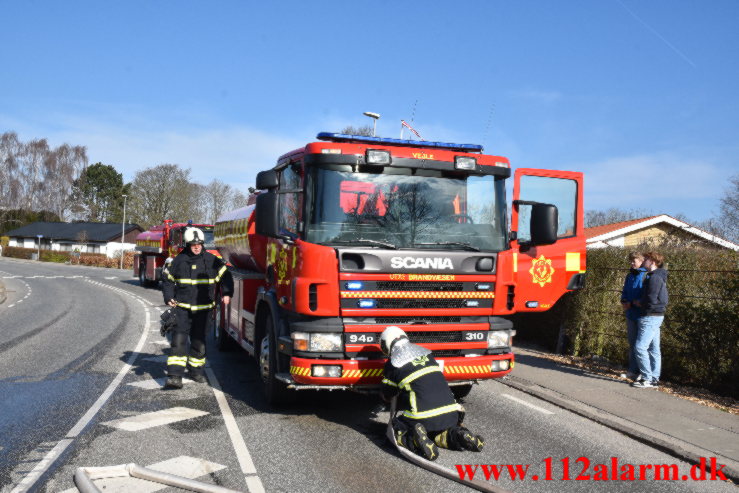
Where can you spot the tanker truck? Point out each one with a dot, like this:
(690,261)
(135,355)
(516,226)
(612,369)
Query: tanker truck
(351,234)
(159,245)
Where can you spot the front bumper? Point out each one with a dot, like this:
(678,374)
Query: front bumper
(370,372)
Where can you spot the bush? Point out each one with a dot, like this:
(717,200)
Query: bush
(699,337)
(17,252)
(89,259)
(54,256)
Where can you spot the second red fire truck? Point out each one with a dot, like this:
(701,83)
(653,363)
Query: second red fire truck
(352,234)
(160,243)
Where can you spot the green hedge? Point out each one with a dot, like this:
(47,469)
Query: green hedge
(700,335)
(90,259)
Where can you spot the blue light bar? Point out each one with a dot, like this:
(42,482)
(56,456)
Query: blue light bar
(354,285)
(366,303)
(334,137)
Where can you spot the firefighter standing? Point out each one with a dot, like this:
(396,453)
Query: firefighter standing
(430,416)
(189,285)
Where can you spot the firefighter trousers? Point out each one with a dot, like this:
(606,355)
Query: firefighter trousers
(190,325)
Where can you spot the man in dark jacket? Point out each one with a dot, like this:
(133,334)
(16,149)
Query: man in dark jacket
(189,285)
(430,417)
(653,305)
(630,296)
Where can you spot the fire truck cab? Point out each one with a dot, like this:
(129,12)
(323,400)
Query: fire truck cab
(352,234)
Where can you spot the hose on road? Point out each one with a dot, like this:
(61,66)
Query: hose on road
(432,466)
(84,478)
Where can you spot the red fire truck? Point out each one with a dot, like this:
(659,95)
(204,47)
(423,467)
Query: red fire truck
(349,235)
(161,243)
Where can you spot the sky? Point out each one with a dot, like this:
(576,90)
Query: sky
(642,96)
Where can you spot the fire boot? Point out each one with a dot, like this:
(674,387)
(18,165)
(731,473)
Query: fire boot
(425,447)
(173,382)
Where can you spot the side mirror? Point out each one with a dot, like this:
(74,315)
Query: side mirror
(544,222)
(267,180)
(266,213)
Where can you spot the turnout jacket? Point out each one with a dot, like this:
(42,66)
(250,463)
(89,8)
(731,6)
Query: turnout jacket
(654,297)
(191,280)
(423,393)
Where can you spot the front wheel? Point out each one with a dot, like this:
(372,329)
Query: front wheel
(461,391)
(275,391)
(223,340)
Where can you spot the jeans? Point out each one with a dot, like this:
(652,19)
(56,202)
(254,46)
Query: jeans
(632,328)
(648,356)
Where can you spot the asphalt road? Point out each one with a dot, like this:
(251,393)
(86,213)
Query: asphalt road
(80,353)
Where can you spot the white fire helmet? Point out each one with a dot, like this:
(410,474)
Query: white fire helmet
(389,336)
(194,236)
(395,344)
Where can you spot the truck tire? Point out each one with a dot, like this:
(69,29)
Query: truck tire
(461,391)
(275,391)
(222,337)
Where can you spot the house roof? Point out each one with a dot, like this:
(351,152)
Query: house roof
(610,231)
(608,228)
(70,231)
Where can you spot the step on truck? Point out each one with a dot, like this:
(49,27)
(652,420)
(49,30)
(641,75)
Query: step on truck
(159,245)
(351,234)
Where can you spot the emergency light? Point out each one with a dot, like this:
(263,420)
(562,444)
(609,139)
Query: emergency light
(337,137)
(354,285)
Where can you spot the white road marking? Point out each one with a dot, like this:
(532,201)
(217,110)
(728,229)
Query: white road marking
(161,343)
(44,464)
(154,383)
(183,466)
(112,277)
(253,483)
(521,401)
(156,418)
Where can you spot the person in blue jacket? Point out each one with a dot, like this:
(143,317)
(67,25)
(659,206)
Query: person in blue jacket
(653,305)
(630,296)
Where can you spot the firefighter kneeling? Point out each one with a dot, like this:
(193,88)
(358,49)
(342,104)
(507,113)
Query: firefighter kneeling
(189,285)
(430,416)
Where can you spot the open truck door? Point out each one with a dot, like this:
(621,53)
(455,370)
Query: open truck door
(548,236)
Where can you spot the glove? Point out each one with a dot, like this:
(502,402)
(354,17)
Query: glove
(167,321)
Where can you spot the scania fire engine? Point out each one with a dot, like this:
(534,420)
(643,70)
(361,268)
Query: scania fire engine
(159,245)
(351,234)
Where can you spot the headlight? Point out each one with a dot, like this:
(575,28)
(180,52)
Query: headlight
(498,338)
(319,342)
(325,342)
(374,156)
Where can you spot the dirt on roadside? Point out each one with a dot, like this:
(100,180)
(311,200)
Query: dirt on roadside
(607,369)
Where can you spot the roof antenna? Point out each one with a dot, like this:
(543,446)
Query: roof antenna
(413,116)
(487,125)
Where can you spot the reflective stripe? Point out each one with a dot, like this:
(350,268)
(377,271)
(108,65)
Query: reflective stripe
(432,412)
(194,308)
(196,362)
(412,400)
(169,276)
(417,374)
(177,361)
(389,382)
(220,273)
(194,281)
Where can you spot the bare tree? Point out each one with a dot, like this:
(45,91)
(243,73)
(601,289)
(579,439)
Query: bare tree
(164,192)
(613,215)
(34,177)
(219,197)
(365,131)
(729,217)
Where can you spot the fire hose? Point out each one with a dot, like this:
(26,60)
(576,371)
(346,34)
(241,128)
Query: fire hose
(432,466)
(84,477)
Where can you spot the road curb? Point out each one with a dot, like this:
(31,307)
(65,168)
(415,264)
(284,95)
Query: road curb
(731,471)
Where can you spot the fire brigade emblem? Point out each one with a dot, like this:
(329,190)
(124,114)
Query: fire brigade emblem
(541,270)
(282,265)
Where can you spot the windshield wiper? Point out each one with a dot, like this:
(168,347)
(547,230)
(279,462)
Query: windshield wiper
(466,246)
(362,240)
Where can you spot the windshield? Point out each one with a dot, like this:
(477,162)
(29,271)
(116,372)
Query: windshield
(401,209)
